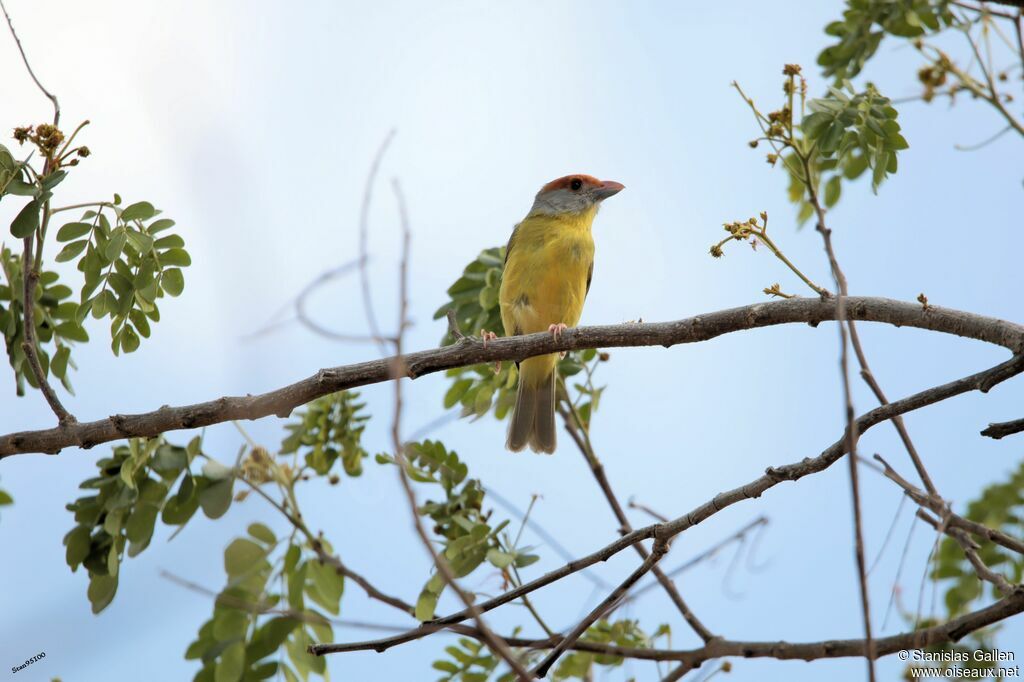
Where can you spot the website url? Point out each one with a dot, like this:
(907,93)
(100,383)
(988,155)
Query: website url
(965,673)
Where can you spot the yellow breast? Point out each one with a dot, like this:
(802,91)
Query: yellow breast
(545,278)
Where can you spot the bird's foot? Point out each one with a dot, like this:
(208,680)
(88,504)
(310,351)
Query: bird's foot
(485,337)
(556,330)
(556,333)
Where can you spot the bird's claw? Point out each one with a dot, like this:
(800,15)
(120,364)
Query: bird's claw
(487,336)
(556,330)
(556,333)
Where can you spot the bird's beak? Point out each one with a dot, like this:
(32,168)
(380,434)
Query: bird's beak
(607,189)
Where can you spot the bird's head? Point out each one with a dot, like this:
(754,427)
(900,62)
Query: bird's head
(573,194)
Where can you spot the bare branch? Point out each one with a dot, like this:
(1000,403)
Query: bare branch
(940,507)
(574,426)
(951,631)
(970,550)
(739,536)
(981,381)
(282,401)
(28,67)
(606,605)
(999,430)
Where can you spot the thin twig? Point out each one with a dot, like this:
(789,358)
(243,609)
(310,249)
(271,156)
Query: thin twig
(28,67)
(739,536)
(495,643)
(970,550)
(851,430)
(574,426)
(941,508)
(364,230)
(657,552)
(31,262)
(897,422)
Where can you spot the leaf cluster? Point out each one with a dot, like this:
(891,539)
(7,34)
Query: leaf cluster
(624,633)
(328,429)
(132,489)
(469,661)
(844,134)
(252,620)
(467,536)
(127,267)
(866,22)
(55,317)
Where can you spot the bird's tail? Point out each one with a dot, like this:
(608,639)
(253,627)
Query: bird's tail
(533,419)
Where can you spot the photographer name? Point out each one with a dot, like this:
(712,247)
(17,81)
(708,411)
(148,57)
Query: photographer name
(16,668)
(979,656)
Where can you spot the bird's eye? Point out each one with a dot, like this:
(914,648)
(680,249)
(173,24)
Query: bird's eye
(576,184)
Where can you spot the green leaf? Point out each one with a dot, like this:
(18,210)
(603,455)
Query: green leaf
(328,584)
(177,257)
(427,602)
(160,225)
(172,281)
(142,210)
(270,636)
(116,244)
(179,509)
(241,555)
(59,364)
(262,533)
(104,304)
(138,318)
(71,231)
(54,179)
(139,527)
(524,560)
(27,220)
(140,241)
(71,331)
(833,188)
(129,339)
(71,251)
(171,241)
(814,124)
(500,559)
(216,498)
(102,589)
(79,543)
(231,664)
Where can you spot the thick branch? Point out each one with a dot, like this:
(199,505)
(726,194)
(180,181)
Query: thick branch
(282,401)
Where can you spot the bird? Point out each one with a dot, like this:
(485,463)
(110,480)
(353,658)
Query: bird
(549,262)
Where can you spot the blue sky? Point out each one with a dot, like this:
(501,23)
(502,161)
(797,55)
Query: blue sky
(253,126)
